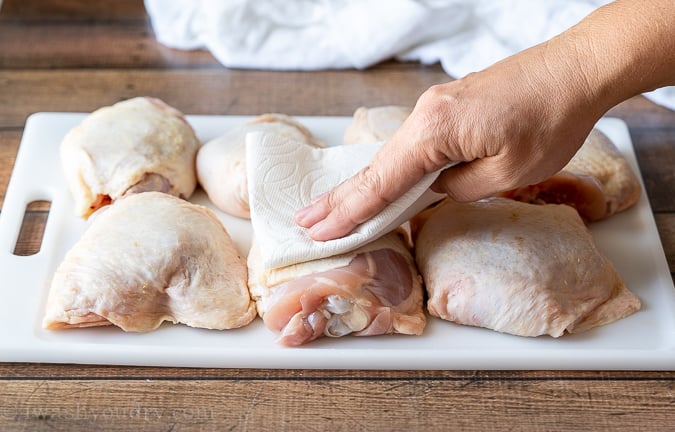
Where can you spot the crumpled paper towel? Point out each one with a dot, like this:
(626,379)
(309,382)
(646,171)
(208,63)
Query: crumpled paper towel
(284,176)
(463,35)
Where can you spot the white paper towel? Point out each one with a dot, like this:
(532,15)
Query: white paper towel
(284,176)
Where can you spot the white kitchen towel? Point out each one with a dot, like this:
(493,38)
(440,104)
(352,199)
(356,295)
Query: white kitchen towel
(283,177)
(463,35)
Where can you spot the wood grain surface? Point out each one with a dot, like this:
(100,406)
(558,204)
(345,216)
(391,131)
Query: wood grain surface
(78,55)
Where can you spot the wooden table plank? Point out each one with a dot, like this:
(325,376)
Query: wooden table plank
(45,372)
(52,45)
(665,223)
(228,91)
(654,148)
(223,91)
(639,112)
(72,10)
(23,92)
(9,144)
(330,405)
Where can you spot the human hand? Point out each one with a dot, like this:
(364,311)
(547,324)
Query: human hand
(508,126)
(514,123)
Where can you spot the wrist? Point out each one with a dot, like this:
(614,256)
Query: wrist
(623,49)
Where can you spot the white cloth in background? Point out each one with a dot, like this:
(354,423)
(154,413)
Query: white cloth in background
(463,35)
(278,188)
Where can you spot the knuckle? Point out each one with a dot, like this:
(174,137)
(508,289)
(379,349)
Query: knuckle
(371,185)
(433,93)
(508,174)
(364,198)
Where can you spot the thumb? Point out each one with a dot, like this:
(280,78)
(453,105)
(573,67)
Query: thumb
(474,180)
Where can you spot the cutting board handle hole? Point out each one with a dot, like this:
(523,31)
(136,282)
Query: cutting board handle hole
(32,230)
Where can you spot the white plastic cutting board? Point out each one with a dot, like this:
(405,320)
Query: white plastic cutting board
(643,341)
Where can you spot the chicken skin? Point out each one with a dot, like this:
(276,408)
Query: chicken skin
(137,145)
(517,268)
(221,162)
(375,124)
(149,258)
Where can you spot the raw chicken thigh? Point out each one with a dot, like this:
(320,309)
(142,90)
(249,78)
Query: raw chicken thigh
(375,124)
(221,163)
(517,268)
(372,291)
(137,145)
(598,182)
(149,258)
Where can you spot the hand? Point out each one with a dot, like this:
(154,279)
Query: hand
(512,124)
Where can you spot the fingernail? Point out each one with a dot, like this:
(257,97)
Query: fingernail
(311,214)
(316,232)
(301,215)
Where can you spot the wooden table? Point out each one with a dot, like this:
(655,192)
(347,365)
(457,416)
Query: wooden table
(78,55)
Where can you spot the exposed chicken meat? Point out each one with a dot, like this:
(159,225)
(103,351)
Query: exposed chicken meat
(517,268)
(150,183)
(221,163)
(138,144)
(374,290)
(148,258)
(598,182)
(375,124)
